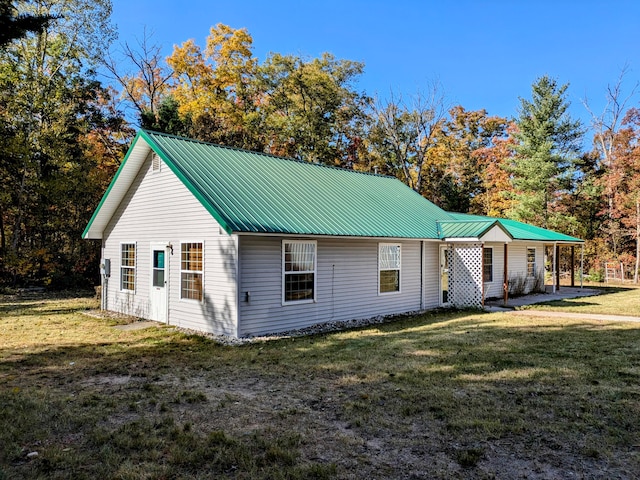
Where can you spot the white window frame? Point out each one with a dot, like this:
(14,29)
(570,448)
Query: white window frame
(399,268)
(201,272)
(285,273)
(128,267)
(487,280)
(535,261)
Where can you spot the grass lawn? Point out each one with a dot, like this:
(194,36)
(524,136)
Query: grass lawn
(441,395)
(613,300)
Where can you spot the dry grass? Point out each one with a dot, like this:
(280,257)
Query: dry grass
(444,395)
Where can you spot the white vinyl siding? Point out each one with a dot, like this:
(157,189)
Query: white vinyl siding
(431,275)
(158,208)
(346,284)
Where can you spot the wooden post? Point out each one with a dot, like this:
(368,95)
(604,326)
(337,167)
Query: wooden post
(573,266)
(505,284)
(557,260)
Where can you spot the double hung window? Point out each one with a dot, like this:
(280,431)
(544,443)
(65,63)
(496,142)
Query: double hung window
(487,264)
(191,271)
(128,266)
(531,262)
(298,271)
(389,267)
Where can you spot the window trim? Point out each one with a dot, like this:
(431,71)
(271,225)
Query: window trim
(484,277)
(201,272)
(285,273)
(535,261)
(399,269)
(123,267)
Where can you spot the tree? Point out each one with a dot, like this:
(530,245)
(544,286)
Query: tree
(15,25)
(147,85)
(624,178)
(548,145)
(494,160)
(400,137)
(213,87)
(606,127)
(49,102)
(290,106)
(461,148)
(308,108)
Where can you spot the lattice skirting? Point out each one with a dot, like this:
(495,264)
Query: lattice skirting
(465,275)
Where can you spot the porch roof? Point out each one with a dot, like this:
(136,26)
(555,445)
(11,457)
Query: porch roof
(474,229)
(521,231)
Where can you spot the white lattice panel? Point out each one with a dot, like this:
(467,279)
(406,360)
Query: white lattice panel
(465,275)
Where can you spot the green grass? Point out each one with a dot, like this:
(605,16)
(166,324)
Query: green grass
(442,395)
(618,300)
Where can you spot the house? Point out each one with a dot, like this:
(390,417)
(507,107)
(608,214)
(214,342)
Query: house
(240,243)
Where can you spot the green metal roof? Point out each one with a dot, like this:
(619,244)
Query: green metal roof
(521,231)
(250,192)
(466,228)
(259,193)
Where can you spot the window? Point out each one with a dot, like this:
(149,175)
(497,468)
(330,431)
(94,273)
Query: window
(531,262)
(191,271)
(487,264)
(128,266)
(298,271)
(388,267)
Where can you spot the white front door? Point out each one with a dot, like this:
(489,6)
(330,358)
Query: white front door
(444,276)
(159,283)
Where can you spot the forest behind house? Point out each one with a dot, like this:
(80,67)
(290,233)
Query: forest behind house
(64,129)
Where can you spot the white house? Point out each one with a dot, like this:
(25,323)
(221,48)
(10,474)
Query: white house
(240,243)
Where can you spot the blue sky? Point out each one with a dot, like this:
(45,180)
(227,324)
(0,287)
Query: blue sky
(485,54)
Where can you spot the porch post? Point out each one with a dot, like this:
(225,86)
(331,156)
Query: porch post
(582,266)
(505,282)
(557,260)
(573,266)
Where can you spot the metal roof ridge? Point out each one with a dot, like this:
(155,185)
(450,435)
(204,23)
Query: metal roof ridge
(265,154)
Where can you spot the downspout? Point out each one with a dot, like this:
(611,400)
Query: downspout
(582,266)
(168,251)
(505,275)
(554,265)
(104,290)
(422,274)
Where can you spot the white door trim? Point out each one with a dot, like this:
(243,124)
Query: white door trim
(159,294)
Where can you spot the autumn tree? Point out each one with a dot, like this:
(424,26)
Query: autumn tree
(548,145)
(288,105)
(49,102)
(606,127)
(308,109)
(461,149)
(494,159)
(401,134)
(624,178)
(213,88)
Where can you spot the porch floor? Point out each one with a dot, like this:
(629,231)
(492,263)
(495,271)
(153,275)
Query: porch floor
(497,304)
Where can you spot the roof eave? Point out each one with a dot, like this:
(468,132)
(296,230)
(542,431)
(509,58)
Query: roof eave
(117,189)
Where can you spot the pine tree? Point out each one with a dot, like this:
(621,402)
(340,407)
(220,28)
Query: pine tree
(548,146)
